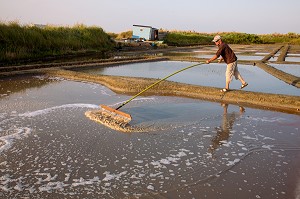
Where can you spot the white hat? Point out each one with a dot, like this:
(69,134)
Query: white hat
(216,38)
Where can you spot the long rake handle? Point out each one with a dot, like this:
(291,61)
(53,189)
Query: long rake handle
(157,82)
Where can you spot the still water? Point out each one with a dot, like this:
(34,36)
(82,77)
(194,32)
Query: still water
(293,59)
(206,75)
(293,69)
(49,149)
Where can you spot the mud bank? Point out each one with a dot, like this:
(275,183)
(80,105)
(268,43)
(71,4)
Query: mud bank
(10,70)
(131,85)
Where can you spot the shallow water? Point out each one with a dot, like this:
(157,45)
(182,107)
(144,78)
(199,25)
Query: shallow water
(292,59)
(206,75)
(51,150)
(288,68)
(261,53)
(293,55)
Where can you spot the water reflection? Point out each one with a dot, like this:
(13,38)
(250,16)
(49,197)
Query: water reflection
(297,184)
(9,86)
(224,131)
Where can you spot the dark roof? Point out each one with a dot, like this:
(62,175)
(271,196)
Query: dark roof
(143,26)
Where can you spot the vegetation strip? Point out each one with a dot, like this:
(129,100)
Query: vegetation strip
(29,42)
(131,85)
(21,43)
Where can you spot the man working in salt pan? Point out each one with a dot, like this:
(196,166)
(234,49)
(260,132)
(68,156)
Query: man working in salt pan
(230,59)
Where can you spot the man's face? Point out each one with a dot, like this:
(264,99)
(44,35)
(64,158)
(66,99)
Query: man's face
(218,42)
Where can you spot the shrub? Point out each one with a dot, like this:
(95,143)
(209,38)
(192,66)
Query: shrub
(186,39)
(241,38)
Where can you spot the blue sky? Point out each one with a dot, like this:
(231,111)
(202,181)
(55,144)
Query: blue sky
(249,16)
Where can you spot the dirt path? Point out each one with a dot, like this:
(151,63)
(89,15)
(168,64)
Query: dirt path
(130,85)
(281,57)
(272,54)
(77,64)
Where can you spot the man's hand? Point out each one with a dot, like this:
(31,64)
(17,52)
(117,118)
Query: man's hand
(207,61)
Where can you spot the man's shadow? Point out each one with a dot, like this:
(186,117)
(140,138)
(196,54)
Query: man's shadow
(223,131)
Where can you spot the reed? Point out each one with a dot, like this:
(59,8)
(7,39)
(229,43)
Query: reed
(26,42)
(126,34)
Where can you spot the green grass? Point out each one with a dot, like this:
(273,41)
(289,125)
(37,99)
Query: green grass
(177,38)
(291,38)
(241,38)
(187,38)
(26,42)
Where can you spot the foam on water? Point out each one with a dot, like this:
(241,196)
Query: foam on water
(48,110)
(18,133)
(267,119)
(8,140)
(69,156)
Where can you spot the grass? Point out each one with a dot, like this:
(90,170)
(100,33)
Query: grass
(27,42)
(242,38)
(187,38)
(291,38)
(179,38)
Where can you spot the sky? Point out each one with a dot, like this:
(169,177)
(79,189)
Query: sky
(210,16)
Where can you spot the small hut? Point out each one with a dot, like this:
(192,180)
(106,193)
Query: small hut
(146,33)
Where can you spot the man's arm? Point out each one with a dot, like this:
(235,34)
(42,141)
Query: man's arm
(212,59)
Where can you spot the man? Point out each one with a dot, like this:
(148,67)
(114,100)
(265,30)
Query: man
(230,59)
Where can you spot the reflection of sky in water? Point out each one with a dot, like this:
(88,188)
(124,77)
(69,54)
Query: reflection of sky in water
(261,53)
(292,59)
(288,68)
(293,54)
(205,75)
(51,150)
